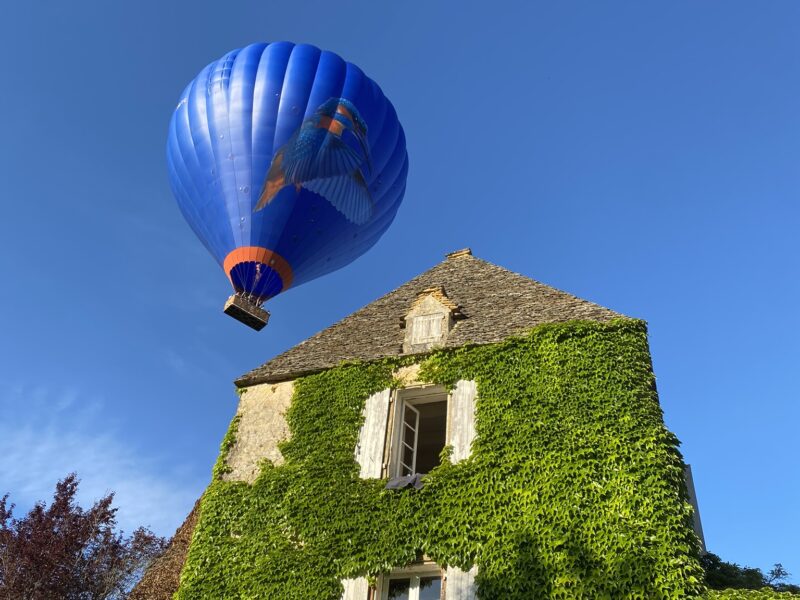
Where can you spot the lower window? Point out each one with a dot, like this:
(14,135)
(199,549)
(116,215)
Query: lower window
(422,582)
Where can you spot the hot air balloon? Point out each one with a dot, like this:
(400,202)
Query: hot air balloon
(288,163)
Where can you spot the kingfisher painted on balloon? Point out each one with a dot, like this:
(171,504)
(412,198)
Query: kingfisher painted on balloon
(317,158)
(288,163)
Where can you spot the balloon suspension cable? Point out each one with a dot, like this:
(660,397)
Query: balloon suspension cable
(251,298)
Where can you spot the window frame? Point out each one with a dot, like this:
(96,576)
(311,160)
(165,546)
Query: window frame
(413,572)
(401,398)
(401,466)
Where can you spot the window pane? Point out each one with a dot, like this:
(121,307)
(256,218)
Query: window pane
(408,439)
(432,434)
(430,588)
(407,466)
(399,589)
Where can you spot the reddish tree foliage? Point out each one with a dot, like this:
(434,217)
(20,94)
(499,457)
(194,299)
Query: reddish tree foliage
(65,552)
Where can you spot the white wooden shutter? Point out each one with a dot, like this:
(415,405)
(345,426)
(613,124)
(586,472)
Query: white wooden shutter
(461,584)
(372,438)
(426,328)
(355,589)
(462,419)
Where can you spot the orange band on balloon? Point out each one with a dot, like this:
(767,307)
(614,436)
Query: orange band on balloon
(257,254)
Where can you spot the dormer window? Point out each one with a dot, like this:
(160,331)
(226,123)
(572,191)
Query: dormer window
(426,329)
(429,320)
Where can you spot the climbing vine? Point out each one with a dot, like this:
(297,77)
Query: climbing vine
(765,594)
(221,467)
(574,488)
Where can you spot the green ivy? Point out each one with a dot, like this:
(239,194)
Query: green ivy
(221,467)
(764,594)
(574,488)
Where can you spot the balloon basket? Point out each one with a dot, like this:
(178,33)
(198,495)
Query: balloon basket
(246,312)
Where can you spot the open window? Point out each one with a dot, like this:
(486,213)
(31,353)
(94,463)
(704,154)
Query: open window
(405,431)
(419,432)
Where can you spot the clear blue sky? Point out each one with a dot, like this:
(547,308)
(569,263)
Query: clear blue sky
(642,155)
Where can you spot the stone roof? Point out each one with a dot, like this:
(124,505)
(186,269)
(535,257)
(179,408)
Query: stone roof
(162,577)
(493,303)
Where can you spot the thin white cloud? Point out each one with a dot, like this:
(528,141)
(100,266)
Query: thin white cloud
(44,435)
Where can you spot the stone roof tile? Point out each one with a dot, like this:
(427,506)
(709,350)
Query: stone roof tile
(496,303)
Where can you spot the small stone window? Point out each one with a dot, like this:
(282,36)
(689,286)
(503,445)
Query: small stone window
(426,329)
(429,320)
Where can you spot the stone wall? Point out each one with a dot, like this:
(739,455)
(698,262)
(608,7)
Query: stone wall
(262,426)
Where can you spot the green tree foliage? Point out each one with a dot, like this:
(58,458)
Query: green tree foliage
(777,574)
(762,594)
(64,552)
(722,575)
(776,577)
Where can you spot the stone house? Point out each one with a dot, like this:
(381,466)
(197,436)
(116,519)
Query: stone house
(418,437)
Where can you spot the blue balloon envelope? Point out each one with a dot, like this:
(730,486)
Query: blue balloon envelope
(287,162)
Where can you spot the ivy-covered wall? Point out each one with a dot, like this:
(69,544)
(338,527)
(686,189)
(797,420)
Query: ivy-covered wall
(765,594)
(574,488)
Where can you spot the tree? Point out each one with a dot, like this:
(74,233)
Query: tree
(777,576)
(721,575)
(65,552)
